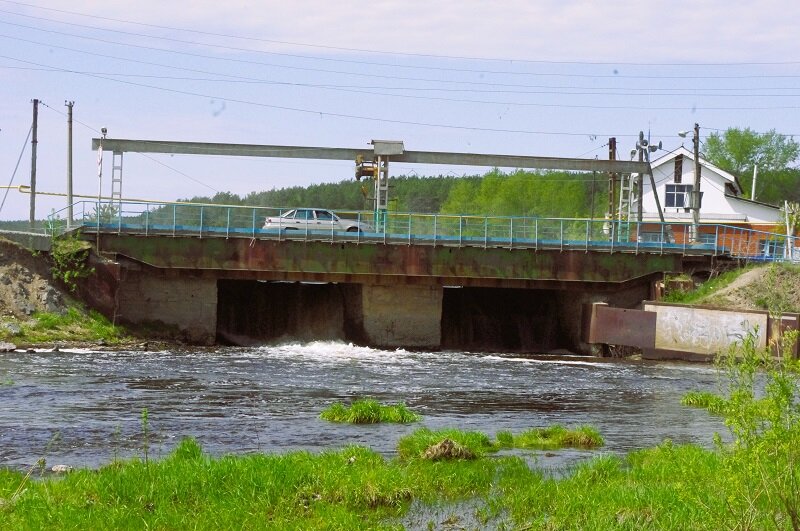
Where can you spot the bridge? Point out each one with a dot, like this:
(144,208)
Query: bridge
(219,274)
(424,280)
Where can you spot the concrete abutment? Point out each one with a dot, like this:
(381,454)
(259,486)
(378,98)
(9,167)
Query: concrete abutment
(210,310)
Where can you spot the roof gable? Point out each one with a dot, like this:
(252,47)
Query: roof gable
(669,157)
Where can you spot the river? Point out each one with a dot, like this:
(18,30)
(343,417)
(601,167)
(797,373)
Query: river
(84,408)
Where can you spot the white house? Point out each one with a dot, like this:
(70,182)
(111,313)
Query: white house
(721,200)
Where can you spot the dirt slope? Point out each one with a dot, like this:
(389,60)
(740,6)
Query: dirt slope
(768,287)
(25,284)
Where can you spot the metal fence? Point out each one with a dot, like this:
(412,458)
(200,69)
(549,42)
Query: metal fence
(229,221)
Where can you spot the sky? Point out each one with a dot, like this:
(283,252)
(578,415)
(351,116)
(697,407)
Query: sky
(518,77)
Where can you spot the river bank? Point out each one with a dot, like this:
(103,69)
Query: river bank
(297,471)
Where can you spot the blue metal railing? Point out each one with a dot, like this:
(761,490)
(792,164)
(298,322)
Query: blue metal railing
(229,221)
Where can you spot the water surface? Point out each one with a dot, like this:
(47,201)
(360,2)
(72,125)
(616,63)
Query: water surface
(84,408)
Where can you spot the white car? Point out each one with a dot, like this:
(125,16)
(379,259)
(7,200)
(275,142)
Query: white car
(310,219)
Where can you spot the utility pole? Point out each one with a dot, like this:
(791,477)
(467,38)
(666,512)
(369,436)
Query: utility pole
(640,181)
(696,188)
(34,141)
(69,105)
(612,179)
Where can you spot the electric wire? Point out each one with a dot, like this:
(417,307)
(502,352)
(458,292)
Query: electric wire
(339,115)
(363,74)
(145,155)
(10,182)
(555,89)
(327,59)
(384,52)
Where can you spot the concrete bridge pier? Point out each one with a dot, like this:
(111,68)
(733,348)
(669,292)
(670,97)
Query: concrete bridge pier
(402,315)
(206,309)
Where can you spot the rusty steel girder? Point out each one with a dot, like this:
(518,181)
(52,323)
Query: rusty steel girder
(387,263)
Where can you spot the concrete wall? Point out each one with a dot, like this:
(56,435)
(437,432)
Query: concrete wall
(674,331)
(704,331)
(402,315)
(184,301)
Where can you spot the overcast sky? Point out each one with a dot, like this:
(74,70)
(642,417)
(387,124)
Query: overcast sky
(516,77)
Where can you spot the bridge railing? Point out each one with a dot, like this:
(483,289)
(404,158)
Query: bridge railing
(208,220)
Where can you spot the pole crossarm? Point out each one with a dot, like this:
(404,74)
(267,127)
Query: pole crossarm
(411,157)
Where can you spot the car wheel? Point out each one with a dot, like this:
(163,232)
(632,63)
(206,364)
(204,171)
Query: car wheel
(353,229)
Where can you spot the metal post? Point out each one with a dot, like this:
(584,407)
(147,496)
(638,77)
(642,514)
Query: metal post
(640,184)
(34,142)
(69,105)
(696,190)
(612,179)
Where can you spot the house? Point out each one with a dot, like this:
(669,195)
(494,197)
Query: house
(724,213)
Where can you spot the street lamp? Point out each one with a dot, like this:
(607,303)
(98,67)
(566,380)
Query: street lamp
(696,188)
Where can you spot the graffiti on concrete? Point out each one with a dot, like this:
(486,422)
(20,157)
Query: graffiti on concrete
(705,331)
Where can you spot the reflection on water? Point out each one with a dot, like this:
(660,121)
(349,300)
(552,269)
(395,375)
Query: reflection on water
(83,408)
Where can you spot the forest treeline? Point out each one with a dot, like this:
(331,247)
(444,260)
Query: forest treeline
(518,193)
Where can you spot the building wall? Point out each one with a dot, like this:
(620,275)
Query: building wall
(715,206)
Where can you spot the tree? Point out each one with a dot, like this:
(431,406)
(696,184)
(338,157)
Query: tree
(738,151)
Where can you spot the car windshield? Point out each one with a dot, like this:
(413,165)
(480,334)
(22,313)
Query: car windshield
(288,215)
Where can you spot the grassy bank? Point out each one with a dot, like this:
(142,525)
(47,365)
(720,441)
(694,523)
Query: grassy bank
(774,287)
(668,487)
(74,326)
(355,488)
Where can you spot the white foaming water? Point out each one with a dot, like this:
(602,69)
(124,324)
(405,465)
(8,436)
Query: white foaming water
(336,352)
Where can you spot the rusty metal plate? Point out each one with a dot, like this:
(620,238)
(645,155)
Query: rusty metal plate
(621,326)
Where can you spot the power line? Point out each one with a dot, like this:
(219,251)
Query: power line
(14,174)
(455,100)
(145,155)
(385,52)
(367,89)
(334,114)
(350,73)
(314,58)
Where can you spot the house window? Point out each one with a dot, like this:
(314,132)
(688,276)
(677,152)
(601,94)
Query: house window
(678,196)
(678,168)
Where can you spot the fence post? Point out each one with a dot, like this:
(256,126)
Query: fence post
(587,235)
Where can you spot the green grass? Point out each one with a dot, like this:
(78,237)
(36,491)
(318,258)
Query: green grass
(369,411)
(73,325)
(552,438)
(708,288)
(667,487)
(703,399)
(413,446)
(479,444)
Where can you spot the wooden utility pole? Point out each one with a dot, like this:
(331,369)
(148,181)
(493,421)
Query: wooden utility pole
(696,189)
(612,180)
(640,182)
(34,141)
(69,105)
